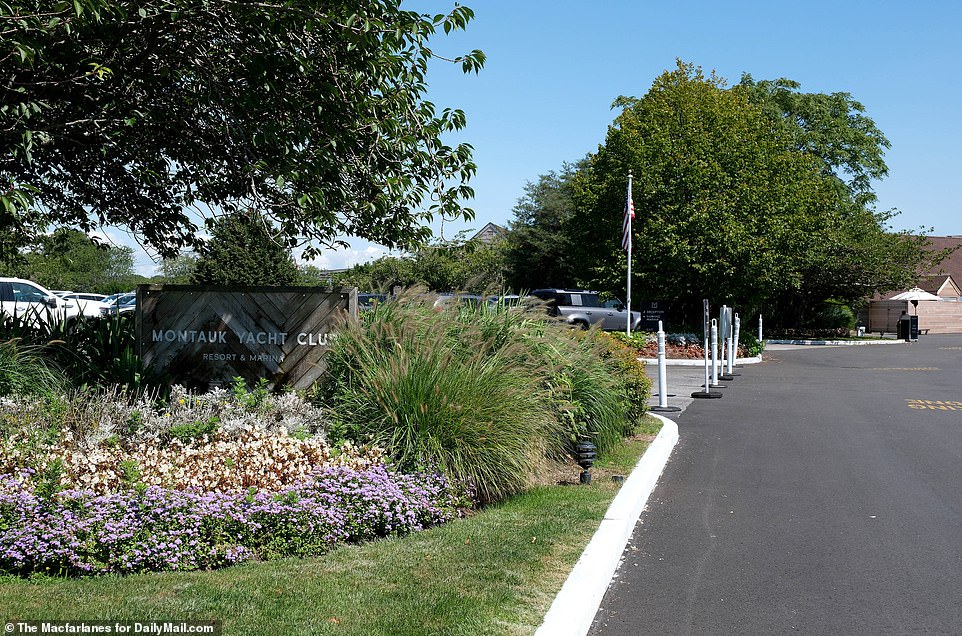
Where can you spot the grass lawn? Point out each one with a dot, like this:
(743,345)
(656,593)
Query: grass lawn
(493,573)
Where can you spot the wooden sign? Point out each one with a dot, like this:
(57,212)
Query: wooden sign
(202,337)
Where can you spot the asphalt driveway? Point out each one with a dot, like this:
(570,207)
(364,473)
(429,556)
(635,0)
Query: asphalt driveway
(821,495)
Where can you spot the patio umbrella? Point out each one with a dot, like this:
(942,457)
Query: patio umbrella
(915,295)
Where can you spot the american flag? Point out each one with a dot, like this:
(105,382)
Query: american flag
(626,226)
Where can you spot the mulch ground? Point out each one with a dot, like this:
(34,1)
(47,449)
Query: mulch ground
(673,352)
(679,352)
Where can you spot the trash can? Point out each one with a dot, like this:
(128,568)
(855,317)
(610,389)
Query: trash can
(904,330)
(908,328)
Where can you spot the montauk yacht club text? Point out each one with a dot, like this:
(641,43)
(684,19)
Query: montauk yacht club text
(245,337)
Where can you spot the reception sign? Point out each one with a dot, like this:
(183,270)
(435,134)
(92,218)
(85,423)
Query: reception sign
(653,311)
(202,336)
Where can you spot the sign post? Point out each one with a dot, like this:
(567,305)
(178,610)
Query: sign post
(706,393)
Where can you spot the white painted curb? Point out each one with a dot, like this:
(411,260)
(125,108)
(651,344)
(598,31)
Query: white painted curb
(575,606)
(835,343)
(697,362)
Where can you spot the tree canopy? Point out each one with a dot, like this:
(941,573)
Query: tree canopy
(832,127)
(149,115)
(540,251)
(455,265)
(244,250)
(755,194)
(70,260)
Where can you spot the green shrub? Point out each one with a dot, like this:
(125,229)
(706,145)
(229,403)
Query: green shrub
(623,360)
(637,340)
(753,347)
(189,432)
(833,314)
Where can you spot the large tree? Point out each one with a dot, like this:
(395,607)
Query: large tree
(148,115)
(244,249)
(539,247)
(735,200)
(70,260)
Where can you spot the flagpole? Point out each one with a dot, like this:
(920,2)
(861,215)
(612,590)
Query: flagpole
(629,214)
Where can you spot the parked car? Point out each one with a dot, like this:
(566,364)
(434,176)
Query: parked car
(123,304)
(367,301)
(108,300)
(30,302)
(507,299)
(584,308)
(446,300)
(87,304)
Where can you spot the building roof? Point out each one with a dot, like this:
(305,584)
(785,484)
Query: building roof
(490,233)
(943,279)
(942,285)
(951,265)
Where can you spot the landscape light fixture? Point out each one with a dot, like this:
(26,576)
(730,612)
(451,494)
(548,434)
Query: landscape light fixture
(585,452)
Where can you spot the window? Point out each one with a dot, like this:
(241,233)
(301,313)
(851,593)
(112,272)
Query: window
(26,293)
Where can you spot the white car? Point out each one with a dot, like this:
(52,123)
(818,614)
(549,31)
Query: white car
(30,303)
(86,305)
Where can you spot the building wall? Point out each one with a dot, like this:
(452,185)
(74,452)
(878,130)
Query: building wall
(937,317)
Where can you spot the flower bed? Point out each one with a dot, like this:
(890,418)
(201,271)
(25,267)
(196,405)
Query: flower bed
(250,458)
(102,483)
(80,532)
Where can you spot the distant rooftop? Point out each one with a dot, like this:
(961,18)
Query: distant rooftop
(490,233)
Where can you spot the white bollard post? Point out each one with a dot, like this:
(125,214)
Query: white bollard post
(760,328)
(662,377)
(714,352)
(662,370)
(707,392)
(738,325)
(723,319)
(731,347)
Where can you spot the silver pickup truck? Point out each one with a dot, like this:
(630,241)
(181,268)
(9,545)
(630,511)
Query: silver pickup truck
(584,308)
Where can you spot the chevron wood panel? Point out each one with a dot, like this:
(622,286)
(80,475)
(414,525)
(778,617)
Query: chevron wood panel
(202,336)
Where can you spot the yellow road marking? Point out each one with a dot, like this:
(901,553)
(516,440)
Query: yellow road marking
(934,405)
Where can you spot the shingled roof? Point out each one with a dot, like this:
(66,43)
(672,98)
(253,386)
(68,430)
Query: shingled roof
(951,265)
(935,280)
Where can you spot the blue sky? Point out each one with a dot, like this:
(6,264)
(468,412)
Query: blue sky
(554,67)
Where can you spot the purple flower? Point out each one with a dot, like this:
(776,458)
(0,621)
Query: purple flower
(78,532)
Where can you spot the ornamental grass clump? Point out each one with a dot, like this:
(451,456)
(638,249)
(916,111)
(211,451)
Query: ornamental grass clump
(24,371)
(78,532)
(489,392)
(598,389)
(411,384)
